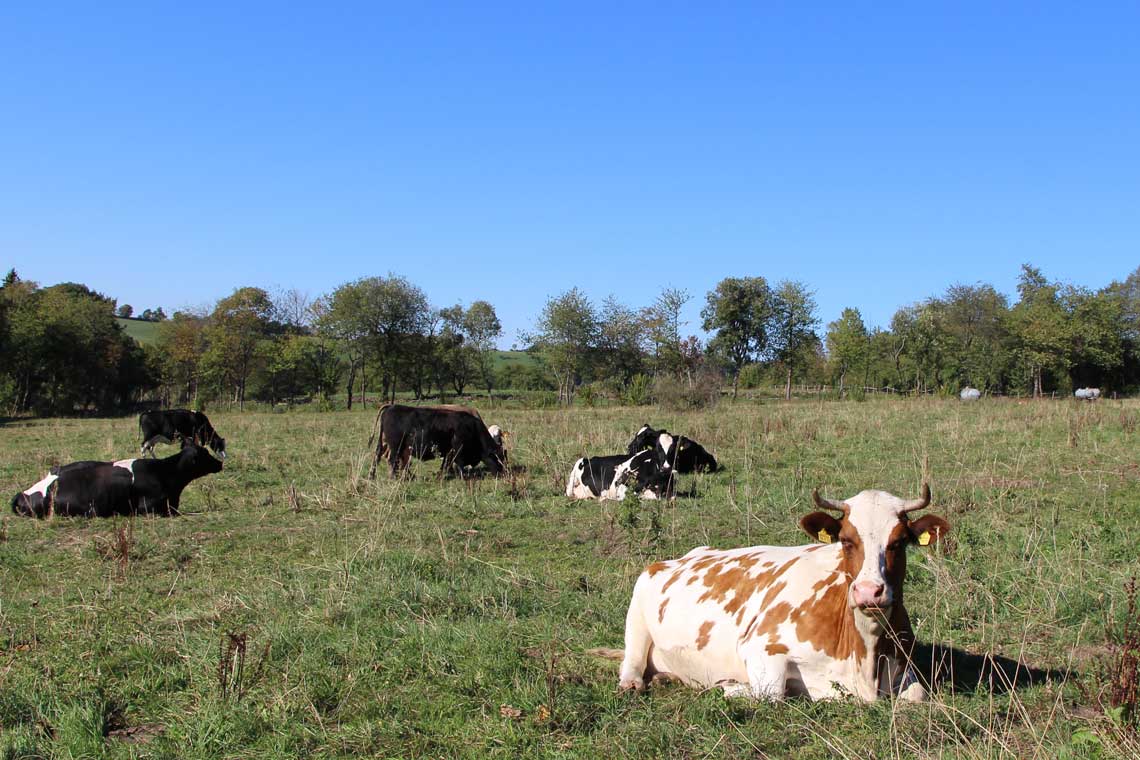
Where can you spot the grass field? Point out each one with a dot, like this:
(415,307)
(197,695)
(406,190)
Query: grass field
(449,619)
(142,331)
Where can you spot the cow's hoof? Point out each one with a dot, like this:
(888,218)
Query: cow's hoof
(915,692)
(630,684)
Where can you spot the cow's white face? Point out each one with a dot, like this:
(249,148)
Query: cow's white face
(874,533)
(665,441)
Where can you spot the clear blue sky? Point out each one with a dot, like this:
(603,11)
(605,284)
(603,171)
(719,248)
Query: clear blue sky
(166,153)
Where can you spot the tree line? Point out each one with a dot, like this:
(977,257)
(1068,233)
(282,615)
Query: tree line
(64,351)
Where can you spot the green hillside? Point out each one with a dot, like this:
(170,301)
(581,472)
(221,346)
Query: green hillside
(141,330)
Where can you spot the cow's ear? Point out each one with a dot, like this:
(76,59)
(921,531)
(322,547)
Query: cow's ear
(928,529)
(821,526)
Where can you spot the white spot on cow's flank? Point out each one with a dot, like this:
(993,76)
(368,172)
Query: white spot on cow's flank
(128,465)
(42,487)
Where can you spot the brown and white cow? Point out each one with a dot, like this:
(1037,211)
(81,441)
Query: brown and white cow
(774,621)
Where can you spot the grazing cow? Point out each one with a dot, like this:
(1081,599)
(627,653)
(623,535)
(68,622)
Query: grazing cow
(774,621)
(610,477)
(126,487)
(970,394)
(458,436)
(170,425)
(683,454)
(1088,394)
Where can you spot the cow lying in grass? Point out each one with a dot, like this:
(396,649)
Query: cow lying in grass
(126,487)
(683,454)
(767,622)
(610,477)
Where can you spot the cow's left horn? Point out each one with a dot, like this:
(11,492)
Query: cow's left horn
(920,503)
(823,503)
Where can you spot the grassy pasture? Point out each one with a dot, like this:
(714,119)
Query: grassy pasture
(448,619)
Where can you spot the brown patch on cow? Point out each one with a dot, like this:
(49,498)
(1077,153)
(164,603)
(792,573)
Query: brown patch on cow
(692,579)
(673,579)
(703,634)
(655,568)
(772,620)
(822,584)
(734,576)
(773,592)
(776,649)
(661,610)
(828,625)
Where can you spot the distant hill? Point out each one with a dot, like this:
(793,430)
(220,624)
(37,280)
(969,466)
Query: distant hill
(143,331)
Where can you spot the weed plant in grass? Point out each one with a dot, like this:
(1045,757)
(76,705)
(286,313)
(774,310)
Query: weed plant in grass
(298,609)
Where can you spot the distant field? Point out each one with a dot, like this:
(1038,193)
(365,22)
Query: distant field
(448,619)
(142,331)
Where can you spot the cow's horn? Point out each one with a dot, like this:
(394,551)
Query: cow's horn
(919,503)
(823,503)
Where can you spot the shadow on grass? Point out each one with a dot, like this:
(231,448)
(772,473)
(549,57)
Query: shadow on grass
(946,667)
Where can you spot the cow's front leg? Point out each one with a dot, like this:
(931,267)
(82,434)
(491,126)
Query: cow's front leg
(909,687)
(767,677)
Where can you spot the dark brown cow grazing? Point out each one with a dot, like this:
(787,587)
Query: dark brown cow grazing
(457,435)
(769,621)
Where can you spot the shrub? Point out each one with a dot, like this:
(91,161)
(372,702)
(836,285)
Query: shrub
(676,393)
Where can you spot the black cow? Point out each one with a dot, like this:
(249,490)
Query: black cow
(684,454)
(610,477)
(458,436)
(126,487)
(170,425)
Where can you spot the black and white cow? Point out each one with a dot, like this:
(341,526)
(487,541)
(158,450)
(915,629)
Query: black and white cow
(457,436)
(170,425)
(611,477)
(126,487)
(684,454)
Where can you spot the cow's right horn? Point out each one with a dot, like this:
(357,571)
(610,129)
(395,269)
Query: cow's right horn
(920,503)
(823,503)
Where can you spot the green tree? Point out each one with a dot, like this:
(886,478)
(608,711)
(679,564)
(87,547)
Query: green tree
(234,333)
(565,335)
(483,330)
(847,344)
(792,328)
(182,341)
(340,318)
(739,310)
(663,319)
(623,340)
(1039,328)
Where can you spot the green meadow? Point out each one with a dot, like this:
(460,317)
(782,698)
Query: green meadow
(299,610)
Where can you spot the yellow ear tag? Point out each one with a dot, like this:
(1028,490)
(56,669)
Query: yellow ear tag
(825,537)
(924,539)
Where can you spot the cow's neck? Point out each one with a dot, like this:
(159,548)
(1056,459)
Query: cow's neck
(861,640)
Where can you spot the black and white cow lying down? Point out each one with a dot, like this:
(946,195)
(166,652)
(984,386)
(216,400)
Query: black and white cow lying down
(170,425)
(126,487)
(684,454)
(611,477)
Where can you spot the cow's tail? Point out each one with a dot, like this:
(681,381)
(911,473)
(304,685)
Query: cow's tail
(376,425)
(377,436)
(607,654)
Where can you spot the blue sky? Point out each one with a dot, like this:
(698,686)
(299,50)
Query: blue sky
(167,153)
